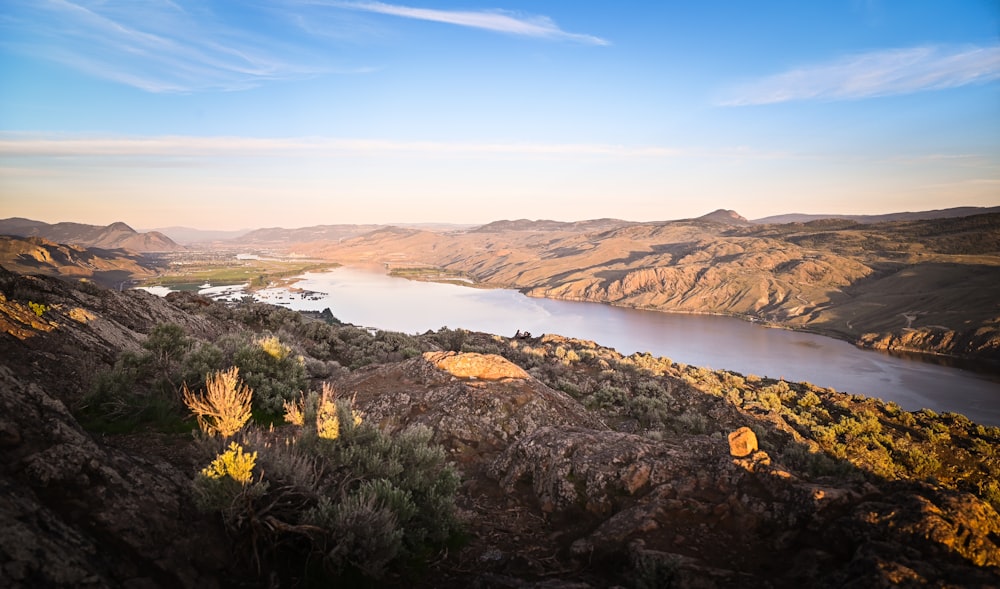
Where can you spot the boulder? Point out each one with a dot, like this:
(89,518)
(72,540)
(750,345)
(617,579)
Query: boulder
(742,442)
(475,366)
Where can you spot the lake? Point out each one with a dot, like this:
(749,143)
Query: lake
(370,298)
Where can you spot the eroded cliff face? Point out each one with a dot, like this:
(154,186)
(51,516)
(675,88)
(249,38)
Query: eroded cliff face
(559,489)
(982,342)
(835,277)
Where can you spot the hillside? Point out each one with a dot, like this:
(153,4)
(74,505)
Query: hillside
(549,226)
(926,286)
(189,235)
(36,255)
(460,460)
(114,236)
(889,217)
(278,236)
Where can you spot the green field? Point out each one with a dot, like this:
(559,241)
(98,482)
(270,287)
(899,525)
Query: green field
(190,275)
(431,274)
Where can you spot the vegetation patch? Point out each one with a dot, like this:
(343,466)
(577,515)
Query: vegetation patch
(431,274)
(187,274)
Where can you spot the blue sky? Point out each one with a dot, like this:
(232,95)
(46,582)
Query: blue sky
(299,112)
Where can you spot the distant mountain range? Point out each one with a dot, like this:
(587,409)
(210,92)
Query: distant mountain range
(547,225)
(189,235)
(114,236)
(277,236)
(925,281)
(907,216)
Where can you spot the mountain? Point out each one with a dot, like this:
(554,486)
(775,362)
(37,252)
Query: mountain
(115,236)
(188,235)
(547,225)
(458,459)
(908,216)
(36,255)
(927,286)
(279,236)
(724,216)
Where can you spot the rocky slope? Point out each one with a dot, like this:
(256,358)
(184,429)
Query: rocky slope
(115,236)
(580,468)
(41,256)
(927,286)
(907,216)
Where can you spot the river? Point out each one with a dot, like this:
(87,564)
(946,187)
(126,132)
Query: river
(368,297)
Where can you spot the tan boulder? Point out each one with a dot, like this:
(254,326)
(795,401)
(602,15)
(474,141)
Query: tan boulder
(472,365)
(742,442)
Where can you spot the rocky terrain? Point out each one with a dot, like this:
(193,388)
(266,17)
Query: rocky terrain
(926,286)
(889,217)
(38,255)
(922,282)
(115,236)
(578,467)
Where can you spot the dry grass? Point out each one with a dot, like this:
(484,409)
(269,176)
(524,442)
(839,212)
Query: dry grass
(225,407)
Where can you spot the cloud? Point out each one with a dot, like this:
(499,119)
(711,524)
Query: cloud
(26,145)
(154,45)
(183,46)
(879,73)
(491,20)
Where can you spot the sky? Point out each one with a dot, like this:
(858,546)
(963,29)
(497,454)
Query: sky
(264,113)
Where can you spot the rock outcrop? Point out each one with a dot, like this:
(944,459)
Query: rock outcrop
(76,514)
(475,366)
(476,414)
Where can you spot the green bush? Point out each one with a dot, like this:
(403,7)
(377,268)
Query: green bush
(273,371)
(143,389)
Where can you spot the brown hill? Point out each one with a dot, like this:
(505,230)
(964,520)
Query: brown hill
(279,236)
(889,217)
(725,216)
(115,236)
(926,286)
(547,225)
(35,255)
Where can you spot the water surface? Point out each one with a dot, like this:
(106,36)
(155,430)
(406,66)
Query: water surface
(372,299)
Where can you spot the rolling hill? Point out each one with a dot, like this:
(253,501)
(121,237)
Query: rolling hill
(928,286)
(36,255)
(114,236)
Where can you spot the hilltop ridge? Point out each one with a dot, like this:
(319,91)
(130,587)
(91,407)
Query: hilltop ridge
(925,286)
(117,235)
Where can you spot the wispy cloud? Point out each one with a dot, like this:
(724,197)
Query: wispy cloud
(21,145)
(154,45)
(491,20)
(878,73)
(179,46)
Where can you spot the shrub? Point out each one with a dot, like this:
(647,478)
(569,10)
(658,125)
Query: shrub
(273,372)
(166,346)
(347,497)
(322,410)
(232,463)
(225,406)
(226,485)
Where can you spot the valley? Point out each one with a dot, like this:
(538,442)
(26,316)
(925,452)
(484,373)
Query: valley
(926,285)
